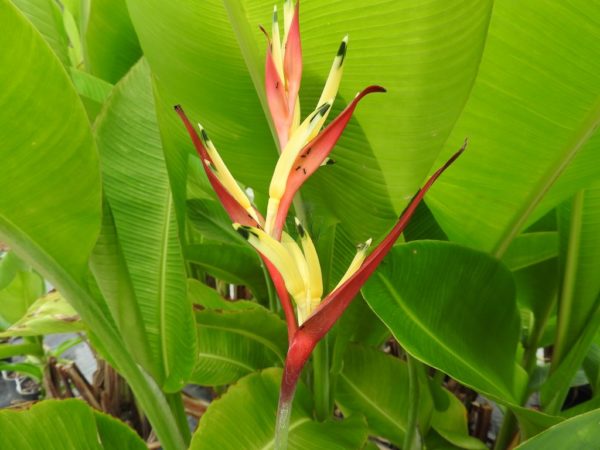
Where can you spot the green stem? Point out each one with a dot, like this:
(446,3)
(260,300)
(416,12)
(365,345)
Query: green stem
(509,424)
(29,348)
(507,431)
(413,404)
(178,409)
(567,299)
(321,380)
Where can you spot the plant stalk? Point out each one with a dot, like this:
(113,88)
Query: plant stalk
(413,404)
(321,380)
(177,408)
(566,303)
(29,348)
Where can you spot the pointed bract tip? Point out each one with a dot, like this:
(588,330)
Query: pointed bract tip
(342,50)
(329,161)
(178,108)
(274,13)
(243,231)
(364,245)
(299,227)
(205,137)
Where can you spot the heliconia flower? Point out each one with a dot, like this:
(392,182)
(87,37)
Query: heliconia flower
(327,312)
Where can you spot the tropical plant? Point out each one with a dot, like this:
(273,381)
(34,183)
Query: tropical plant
(103,194)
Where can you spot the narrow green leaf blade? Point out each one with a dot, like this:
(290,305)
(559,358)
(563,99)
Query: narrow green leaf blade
(137,188)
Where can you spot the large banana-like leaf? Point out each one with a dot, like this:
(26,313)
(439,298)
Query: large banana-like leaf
(531,118)
(65,425)
(426,54)
(51,192)
(232,344)
(137,188)
(574,434)
(46,17)
(359,389)
(249,408)
(579,226)
(454,309)
(111,45)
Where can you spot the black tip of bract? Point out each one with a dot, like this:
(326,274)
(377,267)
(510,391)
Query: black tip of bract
(342,51)
(178,108)
(244,232)
(330,162)
(204,135)
(300,229)
(324,108)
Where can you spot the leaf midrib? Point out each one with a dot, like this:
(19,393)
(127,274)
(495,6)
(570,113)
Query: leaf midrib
(375,406)
(587,129)
(416,321)
(232,361)
(261,340)
(162,284)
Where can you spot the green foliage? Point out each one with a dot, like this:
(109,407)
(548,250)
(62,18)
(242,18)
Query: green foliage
(249,408)
(65,425)
(103,195)
(447,306)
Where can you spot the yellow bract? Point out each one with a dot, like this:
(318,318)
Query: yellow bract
(224,175)
(300,268)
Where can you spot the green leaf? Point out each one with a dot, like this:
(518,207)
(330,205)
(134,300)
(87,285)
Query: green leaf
(573,434)
(113,281)
(531,119)
(532,422)
(46,17)
(531,248)
(235,264)
(111,44)
(24,289)
(359,390)
(249,408)
(29,369)
(454,309)
(211,221)
(137,189)
(65,425)
(235,343)
(52,194)
(10,264)
(48,154)
(208,298)
(364,371)
(579,228)
(89,86)
(50,314)
(428,64)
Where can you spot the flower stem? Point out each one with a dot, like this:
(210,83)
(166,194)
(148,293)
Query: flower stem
(176,405)
(321,380)
(413,404)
